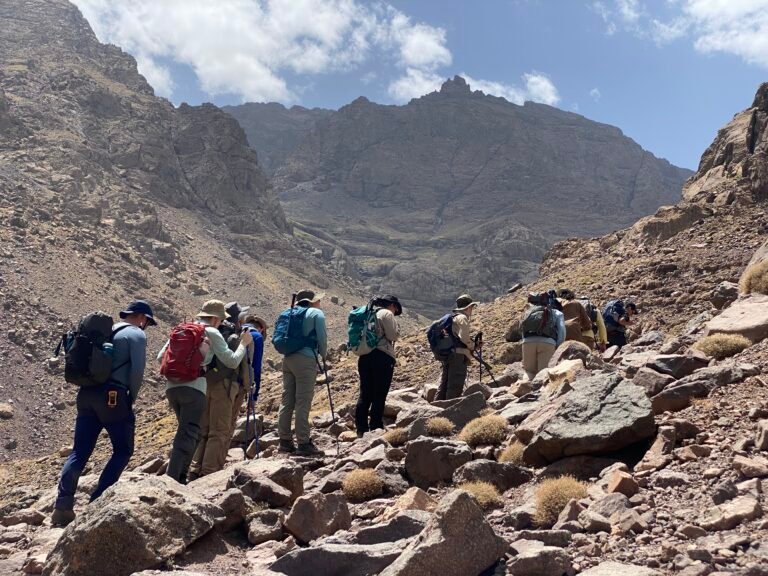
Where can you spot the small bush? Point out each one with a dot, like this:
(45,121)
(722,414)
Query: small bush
(491,429)
(396,437)
(512,453)
(755,279)
(485,493)
(361,485)
(439,426)
(552,495)
(722,345)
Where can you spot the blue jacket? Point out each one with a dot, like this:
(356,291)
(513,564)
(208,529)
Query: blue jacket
(130,357)
(258,355)
(315,320)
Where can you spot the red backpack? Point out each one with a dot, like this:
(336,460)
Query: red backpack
(185,353)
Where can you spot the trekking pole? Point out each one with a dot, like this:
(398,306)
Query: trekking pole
(479,343)
(324,369)
(482,362)
(250,410)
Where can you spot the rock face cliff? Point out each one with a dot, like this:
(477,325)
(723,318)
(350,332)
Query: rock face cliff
(461,191)
(108,193)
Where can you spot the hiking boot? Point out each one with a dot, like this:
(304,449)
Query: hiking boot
(286,446)
(309,449)
(62,517)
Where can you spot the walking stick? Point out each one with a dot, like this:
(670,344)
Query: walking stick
(479,348)
(324,369)
(250,410)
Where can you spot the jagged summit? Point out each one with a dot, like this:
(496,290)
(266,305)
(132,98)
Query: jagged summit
(456,86)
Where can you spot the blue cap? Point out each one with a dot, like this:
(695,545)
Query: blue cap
(139,307)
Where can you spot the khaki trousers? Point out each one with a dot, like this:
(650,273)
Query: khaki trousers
(299,375)
(215,435)
(237,403)
(536,357)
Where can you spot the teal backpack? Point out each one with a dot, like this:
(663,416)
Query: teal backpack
(361,330)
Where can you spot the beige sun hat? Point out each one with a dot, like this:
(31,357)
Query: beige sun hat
(213,309)
(465,301)
(309,296)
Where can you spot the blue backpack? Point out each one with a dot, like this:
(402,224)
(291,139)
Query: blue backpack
(288,336)
(613,311)
(441,339)
(361,330)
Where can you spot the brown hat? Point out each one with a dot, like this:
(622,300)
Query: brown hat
(248,318)
(464,301)
(309,296)
(213,309)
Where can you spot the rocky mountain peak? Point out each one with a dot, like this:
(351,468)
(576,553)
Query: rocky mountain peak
(456,86)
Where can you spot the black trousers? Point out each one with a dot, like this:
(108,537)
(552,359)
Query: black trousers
(376,370)
(617,339)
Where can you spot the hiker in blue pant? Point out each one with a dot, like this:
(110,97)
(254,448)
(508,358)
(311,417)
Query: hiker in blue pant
(108,406)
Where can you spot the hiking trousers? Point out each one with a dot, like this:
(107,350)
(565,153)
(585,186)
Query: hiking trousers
(536,357)
(617,339)
(299,375)
(453,377)
(376,370)
(102,407)
(215,435)
(189,406)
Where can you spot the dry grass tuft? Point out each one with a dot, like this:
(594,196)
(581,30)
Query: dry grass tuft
(491,429)
(512,453)
(361,485)
(722,345)
(439,426)
(396,437)
(552,495)
(755,279)
(485,493)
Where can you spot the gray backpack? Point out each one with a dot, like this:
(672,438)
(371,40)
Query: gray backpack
(539,319)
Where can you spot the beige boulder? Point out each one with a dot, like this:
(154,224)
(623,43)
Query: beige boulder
(747,316)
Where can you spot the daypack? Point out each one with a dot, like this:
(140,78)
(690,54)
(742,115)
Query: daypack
(613,311)
(590,308)
(442,340)
(183,358)
(288,336)
(216,371)
(538,319)
(361,330)
(88,350)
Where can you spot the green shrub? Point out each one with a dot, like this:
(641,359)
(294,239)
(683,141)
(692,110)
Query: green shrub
(485,493)
(396,436)
(552,495)
(361,485)
(755,279)
(439,426)
(491,429)
(722,345)
(512,453)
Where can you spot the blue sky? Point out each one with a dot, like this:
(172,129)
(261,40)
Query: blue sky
(669,73)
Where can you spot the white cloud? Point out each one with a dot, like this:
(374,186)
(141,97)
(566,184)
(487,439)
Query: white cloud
(250,47)
(536,87)
(595,94)
(414,83)
(737,27)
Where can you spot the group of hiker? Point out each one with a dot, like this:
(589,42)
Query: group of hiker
(211,364)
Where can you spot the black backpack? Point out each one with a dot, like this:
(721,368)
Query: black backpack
(538,319)
(216,371)
(88,350)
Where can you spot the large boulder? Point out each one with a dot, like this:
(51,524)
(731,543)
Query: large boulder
(337,560)
(570,350)
(139,523)
(618,569)
(457,541)
(602,413)
(406,524)
(316,515)
(464,409)
(503,475)
(432,460)
(534,558)
(747,316)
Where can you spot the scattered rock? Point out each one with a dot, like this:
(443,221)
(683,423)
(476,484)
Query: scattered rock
(731,514)
(755,467)
(432,460)
(337,560)
(503,475)
(264,526)
(533,558)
